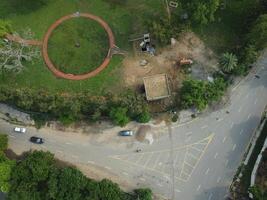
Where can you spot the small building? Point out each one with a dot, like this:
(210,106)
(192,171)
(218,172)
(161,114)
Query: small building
(156,87)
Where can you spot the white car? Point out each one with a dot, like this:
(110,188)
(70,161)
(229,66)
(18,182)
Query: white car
(20,130)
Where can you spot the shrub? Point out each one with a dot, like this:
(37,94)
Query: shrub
(119,116)
(249,55)
(258,33)
(144,117)
(3,142)
(143,194)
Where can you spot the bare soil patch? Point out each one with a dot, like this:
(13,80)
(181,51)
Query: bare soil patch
(167,60)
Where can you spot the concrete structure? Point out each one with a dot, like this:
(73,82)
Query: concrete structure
(156,87)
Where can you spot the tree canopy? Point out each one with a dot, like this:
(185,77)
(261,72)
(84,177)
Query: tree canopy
(198,94)
(258,33)
(38,177)
(202,11)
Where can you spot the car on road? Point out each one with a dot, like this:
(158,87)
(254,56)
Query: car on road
(126,133)
(20,130)
(36,140)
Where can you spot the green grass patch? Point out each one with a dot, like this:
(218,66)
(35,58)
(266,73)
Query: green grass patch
(125,19)
(78,46)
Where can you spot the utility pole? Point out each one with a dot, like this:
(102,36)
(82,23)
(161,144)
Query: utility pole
(168,10)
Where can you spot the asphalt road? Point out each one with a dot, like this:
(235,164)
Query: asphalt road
(194,161)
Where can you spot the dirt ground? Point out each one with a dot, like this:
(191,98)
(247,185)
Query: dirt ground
(166,61)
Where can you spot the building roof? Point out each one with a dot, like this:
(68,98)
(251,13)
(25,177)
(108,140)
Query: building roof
(156,87)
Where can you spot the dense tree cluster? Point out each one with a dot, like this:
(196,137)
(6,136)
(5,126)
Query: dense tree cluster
(38,177)
(71,107)
(258,33)
(6,165)
(199,94)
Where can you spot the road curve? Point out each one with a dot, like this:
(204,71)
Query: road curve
(195,161)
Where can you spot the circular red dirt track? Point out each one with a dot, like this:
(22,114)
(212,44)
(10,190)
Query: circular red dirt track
(61,74)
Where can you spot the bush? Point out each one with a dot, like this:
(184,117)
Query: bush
(258,33)
(3,142)
(199,94)
(249,55)
(119,116)
(144,117)
(143,194)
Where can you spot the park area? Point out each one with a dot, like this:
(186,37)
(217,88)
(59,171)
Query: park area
(181,48)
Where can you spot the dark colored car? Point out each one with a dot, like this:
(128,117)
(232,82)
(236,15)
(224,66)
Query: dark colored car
(126,133)
(37,140)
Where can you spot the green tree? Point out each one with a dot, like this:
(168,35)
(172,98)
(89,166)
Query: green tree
(144,117)
(193,94)
(143,194)
(258,33)
(249,55)
(109,190)
(228,62)
(199,94)
(5,27)
(202,11)
(119,115)
(258,193)
(6,166)
(70,184)
(3,142)
(28,178)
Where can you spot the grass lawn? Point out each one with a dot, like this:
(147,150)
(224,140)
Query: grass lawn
(125,19)
(71,59)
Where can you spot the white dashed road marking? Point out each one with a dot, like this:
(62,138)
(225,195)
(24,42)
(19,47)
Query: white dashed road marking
(232,124)
(107,167)
(210,196)
(240,109)
(220,119)
(249,116)
(177,190)
(91,162)
(160,185)
(215,156)
(142,179)
(224,139)
(125,173)
(241,131)
(218,179)
(207,171)
(198,188)
(205,126)
(234,147)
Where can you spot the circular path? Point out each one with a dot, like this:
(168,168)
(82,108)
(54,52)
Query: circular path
(44,45)
(61,74)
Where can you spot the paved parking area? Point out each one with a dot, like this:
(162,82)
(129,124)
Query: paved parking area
(184,159)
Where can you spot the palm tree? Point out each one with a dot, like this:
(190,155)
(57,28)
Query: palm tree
(228,62)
